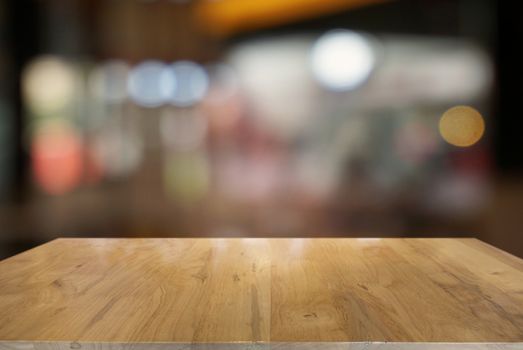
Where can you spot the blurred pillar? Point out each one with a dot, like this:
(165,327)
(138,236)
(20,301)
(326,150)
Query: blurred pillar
(509,122)
(22,28)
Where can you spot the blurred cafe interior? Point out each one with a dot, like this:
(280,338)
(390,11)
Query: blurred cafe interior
(260,118)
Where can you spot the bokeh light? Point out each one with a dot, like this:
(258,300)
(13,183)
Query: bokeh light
(415,141)
(151,84)
(183,131)
(108,81)
(273,76)
(342,60)
(192,83)
(223,83)
(48,84)
(57,157)
(222,103)
(461,126)
(119,151)
(186,176)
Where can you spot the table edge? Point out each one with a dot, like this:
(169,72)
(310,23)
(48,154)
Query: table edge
(246,345)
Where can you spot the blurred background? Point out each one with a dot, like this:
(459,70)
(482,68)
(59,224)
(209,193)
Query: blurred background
(280,118)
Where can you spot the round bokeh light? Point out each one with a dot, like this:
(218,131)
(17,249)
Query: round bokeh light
(151,84)
(461,126)
(342,60)
(192,83)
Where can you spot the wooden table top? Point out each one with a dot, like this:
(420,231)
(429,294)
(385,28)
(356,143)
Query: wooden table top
(243,293)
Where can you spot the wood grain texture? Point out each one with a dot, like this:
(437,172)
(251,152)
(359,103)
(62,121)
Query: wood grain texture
(246,293)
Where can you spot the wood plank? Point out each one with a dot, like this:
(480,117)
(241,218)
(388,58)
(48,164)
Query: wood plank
(294,294)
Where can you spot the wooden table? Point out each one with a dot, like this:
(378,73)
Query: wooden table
(247,293)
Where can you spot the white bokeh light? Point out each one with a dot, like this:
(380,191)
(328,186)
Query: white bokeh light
(192,83)
(342,60)
(151,84)
(49,84)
